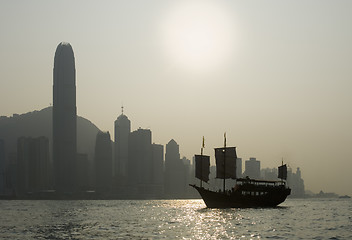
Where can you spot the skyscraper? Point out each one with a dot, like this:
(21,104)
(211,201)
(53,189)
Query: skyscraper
(2,166)
(103,162)
(64,119)
(158,169)
(83,165)
(175,171)
(252,168)
(32,165)
(239,167)
(122,132)
(140,158)
(157,164)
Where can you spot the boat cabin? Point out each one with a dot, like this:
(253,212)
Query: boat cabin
(253,187)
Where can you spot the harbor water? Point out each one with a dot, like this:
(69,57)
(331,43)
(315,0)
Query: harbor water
(173,219)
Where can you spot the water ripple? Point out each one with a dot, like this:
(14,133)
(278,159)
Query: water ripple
(173,219)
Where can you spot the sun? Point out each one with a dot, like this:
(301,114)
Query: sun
(197,35)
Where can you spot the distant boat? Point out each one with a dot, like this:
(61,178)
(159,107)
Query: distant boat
(247,192)
(345,196)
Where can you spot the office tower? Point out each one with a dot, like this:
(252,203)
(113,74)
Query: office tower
(175,172)
(140,159)
(296,183)
(42,155)
(103,162)
(32,165)
(158,164)
(64,119)
(2,166)
(158,168)
(239,167)
(252,168)
(122,131)
(189,175)
(269,174)
(83,183)
(172,155)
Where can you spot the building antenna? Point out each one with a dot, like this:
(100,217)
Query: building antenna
(122,109)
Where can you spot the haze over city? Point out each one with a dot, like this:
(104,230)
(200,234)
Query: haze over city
(275,76)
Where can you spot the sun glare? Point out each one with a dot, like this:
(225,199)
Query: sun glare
(197,35)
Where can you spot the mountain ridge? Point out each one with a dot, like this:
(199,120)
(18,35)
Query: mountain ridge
(39,123)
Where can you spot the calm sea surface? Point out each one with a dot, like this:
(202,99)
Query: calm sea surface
(173,219)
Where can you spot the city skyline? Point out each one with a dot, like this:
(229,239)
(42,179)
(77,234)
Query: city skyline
(282,92)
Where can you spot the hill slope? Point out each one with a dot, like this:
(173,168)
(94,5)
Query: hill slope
(39,123)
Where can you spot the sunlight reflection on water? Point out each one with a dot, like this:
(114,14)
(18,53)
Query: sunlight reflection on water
(172,219)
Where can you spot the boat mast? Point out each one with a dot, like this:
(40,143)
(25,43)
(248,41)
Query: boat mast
(224,151)
(282,164)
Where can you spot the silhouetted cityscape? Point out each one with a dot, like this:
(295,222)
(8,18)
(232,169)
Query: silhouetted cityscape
(130,167)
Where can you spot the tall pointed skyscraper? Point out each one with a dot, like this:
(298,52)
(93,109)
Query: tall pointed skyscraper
(64,119)
(122,132)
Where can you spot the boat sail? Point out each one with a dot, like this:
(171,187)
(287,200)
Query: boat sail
(202,167)
(247,192)
(282,170)
(225,162)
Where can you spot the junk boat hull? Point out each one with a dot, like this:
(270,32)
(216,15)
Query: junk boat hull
(244,198)
(247,192)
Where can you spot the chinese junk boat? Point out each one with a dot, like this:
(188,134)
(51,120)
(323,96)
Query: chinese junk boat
(247,192)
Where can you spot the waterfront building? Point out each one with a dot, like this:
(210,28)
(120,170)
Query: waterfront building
(239,167)
(64,119)
(2,167)
(83,183)
(294,180)
(269,174)
(103,162)
(296,183)
(175,171)
(11,173)
(32,165)
(157,170)
(158,164)
(122,132)
(252,168)
(140,160)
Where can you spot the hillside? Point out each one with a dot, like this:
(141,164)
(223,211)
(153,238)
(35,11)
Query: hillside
(39,123)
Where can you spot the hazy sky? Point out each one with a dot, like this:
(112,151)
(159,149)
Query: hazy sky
(275,75)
